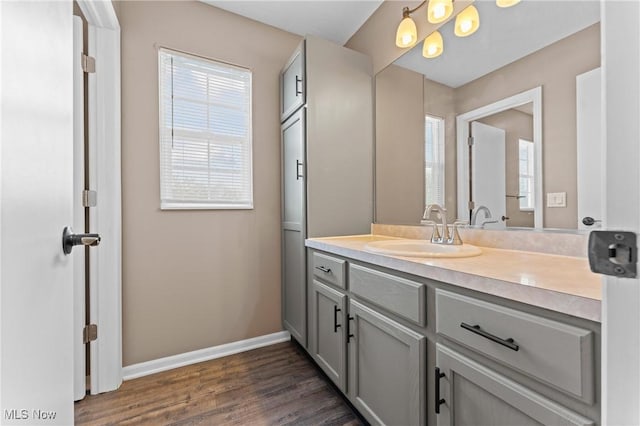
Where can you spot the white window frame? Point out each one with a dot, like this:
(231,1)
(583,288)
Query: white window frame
(205,205)
(529,175)
(440,162)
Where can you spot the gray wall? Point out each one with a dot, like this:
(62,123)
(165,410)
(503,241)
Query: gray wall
(399,167)
(195,279)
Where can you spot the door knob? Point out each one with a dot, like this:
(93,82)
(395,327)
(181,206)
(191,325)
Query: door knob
(589,221)
(69,240)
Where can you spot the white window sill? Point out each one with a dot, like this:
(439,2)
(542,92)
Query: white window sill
(197,206)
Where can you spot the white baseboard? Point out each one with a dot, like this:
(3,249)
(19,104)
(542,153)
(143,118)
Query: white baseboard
(163,364)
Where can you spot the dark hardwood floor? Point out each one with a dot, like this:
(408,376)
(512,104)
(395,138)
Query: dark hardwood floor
(275,385)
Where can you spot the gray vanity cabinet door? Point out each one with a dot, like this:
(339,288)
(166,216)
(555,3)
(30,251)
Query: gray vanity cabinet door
(327,332)
(294,312)
(293,83)
(386,369)
(476,395)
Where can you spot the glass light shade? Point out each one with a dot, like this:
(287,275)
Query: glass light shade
(467,22)
(507,3)
(407,34)
(439,10)
(433,46)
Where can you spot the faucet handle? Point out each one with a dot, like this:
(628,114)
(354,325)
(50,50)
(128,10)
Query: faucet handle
(436,233)
(455,238)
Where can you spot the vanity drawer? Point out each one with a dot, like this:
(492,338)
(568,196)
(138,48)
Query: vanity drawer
(550,351)
(330,269)
(403,297)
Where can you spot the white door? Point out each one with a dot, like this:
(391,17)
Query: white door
(488,170)
(36,182)
(621,296)
(590,149)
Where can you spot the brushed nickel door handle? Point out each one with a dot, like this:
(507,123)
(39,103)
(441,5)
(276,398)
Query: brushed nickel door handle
(70,240)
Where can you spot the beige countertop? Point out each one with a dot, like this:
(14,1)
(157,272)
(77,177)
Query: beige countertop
(559,283)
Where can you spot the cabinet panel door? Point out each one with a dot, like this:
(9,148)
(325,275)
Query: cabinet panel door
(327,326)
(292,84)
(386,369)
(294,312)
(476,395)
(293,171)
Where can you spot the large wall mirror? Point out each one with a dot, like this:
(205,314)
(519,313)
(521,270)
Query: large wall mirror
(502,128)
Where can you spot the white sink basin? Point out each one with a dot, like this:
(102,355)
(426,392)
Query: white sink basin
(421,248)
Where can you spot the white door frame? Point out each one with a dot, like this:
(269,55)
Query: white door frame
(462,148)
(620,41)
(78,255)
(105,178)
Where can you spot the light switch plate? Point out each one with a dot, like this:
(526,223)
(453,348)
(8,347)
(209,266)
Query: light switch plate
(556,199)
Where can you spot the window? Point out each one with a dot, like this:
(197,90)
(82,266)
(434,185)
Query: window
(434,160)
(526,174)
(205,134)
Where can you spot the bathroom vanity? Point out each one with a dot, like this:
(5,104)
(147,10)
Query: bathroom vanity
(415,341)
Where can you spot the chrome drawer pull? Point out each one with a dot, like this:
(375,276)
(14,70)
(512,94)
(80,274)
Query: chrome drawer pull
(509,343)
(324,269)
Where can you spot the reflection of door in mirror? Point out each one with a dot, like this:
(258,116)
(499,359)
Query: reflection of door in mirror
(488,171)
(590,150)
(518,167)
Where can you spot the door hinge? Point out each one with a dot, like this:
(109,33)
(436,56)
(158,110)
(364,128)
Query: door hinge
(89,198)
(470,141)
(88,63)
(472,205)
(89,333)
(613,253)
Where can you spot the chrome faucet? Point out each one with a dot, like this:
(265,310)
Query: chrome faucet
(447,237)
(487,216)
(435,236)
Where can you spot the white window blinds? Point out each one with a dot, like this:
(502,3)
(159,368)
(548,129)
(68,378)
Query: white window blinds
(205,134)
(434,160)
(526,174)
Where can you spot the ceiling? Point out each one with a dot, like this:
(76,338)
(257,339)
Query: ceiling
(504,36)
(335,20)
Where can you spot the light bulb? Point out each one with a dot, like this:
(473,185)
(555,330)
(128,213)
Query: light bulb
(465,26)
(507,3)
(407,34)
(439,10)
(467,22)
(433,45)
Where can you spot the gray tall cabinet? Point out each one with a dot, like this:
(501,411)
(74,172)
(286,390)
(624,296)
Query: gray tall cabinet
(326,111)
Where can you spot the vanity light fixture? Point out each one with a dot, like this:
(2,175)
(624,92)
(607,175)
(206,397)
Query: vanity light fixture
(467,22)
(507,3)
(433,45)
(407,34)
(439,10)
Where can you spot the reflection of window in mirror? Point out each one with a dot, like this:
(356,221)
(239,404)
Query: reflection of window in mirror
(434,160)
(526,175)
